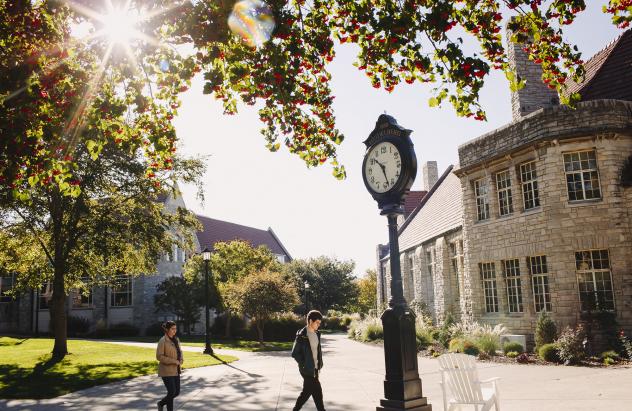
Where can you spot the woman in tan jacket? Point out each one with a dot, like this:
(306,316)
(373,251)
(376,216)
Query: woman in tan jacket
(170,360)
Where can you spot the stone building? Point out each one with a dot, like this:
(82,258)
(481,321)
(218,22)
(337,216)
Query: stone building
(546,214)
(430,242)
(132,300)
(546,208)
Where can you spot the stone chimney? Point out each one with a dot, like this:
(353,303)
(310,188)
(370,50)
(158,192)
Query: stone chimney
(535,94)
(430,174)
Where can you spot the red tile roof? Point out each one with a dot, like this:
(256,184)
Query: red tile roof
(216,230)
(413,199)
(608,73)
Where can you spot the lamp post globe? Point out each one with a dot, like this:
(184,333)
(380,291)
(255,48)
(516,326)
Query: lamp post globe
(206,256)
(306,285)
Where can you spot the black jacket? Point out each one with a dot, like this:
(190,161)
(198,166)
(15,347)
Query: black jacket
(302,353)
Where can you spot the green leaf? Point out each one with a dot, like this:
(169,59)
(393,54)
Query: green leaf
(433,102)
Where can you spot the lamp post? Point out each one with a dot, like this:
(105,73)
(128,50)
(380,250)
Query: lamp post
(390,154)
(206,256)
(306,288)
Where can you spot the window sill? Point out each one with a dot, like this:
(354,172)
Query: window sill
(483,222)
(580,203)
(120,306)
(533,210)
(82,308)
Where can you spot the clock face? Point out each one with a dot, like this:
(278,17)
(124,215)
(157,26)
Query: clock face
(383,167)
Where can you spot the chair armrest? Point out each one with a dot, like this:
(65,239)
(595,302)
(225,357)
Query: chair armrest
(487,381)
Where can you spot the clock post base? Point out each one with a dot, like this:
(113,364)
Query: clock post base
(419,404)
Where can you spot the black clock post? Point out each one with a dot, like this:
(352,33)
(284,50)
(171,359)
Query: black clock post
(402,385)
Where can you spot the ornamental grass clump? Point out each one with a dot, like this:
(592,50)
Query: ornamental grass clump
(486,337)
(368,329)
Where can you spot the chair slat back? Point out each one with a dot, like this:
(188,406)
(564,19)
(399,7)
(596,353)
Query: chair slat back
(461,377)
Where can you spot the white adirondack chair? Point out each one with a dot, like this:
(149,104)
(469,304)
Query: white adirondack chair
(460,377)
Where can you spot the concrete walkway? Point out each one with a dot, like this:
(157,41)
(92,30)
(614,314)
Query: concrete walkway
(352,380)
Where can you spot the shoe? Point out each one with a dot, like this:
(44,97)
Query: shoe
(160,406)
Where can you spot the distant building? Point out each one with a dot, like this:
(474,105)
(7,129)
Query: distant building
(132,300)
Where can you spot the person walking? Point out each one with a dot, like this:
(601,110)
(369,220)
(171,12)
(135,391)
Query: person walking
(308,354)
(169,356)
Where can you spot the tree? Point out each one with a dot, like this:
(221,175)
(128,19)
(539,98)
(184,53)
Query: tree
(260,295)
(367,292)
(114,226)
(399,42)
(331,282)
(230,262)
(174,295)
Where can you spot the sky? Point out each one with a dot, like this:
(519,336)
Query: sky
(310,211)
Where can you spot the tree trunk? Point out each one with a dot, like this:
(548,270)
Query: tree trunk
(259,324)
(58,315)
(227,330)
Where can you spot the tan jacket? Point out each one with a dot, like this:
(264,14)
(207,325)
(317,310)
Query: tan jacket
(167,355)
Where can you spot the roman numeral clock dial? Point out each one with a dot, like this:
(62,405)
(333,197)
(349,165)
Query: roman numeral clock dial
(383,167)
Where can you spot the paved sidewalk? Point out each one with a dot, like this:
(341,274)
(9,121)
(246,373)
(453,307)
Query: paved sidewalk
(352,380)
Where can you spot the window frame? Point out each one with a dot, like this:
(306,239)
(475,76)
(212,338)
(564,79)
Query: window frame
(581,173)
(130,291)
(503,193)
(513,283)
(489,284)
(78,294)
(45,296)
(539,271)
(482,199)
(529,185)
(6,299)
(593,279)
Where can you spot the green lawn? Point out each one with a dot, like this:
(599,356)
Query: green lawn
(26,369)
(242,345)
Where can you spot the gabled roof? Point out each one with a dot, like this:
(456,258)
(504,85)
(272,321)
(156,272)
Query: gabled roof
(222,231)
(439,212)
(608,73)
(413,199)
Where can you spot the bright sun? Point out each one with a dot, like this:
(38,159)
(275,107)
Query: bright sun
(120,25)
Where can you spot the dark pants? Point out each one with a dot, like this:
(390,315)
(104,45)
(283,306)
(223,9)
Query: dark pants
(311,388)
(173,390)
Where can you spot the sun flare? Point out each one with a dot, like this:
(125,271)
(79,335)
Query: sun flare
(120,25)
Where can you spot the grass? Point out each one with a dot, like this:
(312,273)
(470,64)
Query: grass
(28,371)
(241,345)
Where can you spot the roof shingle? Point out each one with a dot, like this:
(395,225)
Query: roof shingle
(608,73)
(222,231)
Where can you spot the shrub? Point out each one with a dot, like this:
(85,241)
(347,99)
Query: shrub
(123,330)
(513,346)
(77,326)
(154,329)
(549,352)
(570,345)
(281,327)
(610,357)
(627,345)
(512,354)
(523,358)
(464,346)
(336,321)
(545,330)
(237,325)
